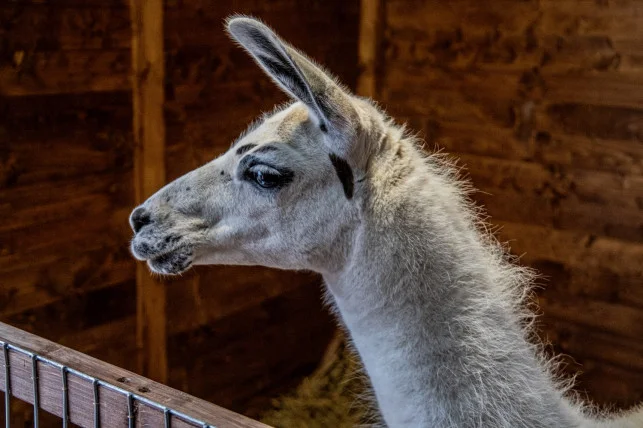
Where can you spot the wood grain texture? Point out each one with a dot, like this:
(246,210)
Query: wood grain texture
(245,359)
(541,101)
(370,46)
(56,49)
(149,172)
(66,182)
(113,402)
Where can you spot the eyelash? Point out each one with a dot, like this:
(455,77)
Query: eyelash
(267,177)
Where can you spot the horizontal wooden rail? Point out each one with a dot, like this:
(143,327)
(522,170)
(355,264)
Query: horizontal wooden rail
(91,393)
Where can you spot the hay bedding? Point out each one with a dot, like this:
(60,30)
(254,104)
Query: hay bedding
(330,397)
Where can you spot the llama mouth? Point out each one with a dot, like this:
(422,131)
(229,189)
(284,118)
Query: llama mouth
(174,262)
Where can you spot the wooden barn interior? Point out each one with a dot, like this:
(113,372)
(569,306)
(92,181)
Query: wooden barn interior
(104,101)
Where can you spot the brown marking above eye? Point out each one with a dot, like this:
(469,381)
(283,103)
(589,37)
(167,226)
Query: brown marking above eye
(243,149)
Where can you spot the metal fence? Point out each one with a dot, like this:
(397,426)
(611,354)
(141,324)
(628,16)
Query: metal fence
(86,392)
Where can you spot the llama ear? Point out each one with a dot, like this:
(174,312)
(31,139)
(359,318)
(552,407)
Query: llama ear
(329,104)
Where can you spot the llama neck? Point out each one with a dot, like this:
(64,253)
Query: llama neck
(427,304)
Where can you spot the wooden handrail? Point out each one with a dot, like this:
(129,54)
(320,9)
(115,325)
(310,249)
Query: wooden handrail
(91,393)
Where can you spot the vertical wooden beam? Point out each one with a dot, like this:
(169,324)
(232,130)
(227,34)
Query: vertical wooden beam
(370,53)
(149,173)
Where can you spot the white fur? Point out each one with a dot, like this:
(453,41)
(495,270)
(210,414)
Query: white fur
(434,306)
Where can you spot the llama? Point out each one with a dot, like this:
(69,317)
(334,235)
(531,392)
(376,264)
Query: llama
(328,183)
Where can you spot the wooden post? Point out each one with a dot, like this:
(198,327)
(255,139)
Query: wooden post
(369,54)
(149,172)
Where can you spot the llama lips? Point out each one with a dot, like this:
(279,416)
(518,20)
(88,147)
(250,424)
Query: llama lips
(172,263)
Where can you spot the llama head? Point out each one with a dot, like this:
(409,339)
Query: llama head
(285,195)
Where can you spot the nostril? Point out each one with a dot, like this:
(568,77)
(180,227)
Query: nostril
(139,218)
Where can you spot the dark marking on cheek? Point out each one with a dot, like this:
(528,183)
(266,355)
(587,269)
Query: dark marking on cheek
(187,189)
(243,149)
(345,174)
(323,127)
(222,173)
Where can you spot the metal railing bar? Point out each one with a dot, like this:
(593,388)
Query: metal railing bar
(63,374)
(130,411)
(36,394)
(95,385)
(7,386)
(104,384)
(167,418)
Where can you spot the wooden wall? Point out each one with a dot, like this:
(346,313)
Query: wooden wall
(543,102)
(66,173)
(540,99)
(236,336)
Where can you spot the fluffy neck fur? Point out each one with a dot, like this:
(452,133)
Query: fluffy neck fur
(433,306)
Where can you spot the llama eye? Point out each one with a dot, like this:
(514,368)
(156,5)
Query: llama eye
(264,176)
(266,179)
(267,176)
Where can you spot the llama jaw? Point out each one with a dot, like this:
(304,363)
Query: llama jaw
(163,256)
(172,263)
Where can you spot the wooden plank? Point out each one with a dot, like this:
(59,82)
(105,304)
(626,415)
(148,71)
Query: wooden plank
(115,386)
(504,34)
(113,342)
(575,248)
(548,146)
(232,359)
(581,343)
(610,386)
(21,198)
(77,71)
(601,203)
(37,157)
(20,250)
(40,285)
(590,186)
(216,292)
(593,121)
(52,27)
(481,97)
(149,174)
(608,89)
(81,3)
(370,37)
(108,113)
(202,23)
(560,212)
(589,355)
(467,47)
(76,312)
(611,318)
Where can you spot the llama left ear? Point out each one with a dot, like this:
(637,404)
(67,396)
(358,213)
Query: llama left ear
(329,105)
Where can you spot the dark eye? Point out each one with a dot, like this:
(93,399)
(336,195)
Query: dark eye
(266,179)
